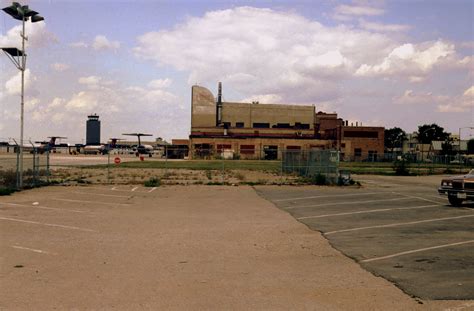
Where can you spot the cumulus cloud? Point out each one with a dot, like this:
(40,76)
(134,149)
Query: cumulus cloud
(462,103)
(13,85)
(79,44)
(443,103)
(382,27)
(38,35)
(262,51)
(358,10)
(91,80)
(60,67)
(411,59)
(101,43)
(160,83)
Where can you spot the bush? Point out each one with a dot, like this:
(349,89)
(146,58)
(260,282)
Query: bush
(401,167)
(6,191)
(319,179)
(8,179)
(153,182)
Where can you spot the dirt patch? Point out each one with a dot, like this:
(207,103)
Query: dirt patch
(170,176)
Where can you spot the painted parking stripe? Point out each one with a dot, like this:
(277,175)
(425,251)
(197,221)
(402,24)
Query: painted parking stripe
(46,224)
(32,250)
(398,224)
(152,189)
(92,202)
(416,197)
(135,188)
(104,195)
(328,196)
(349,202)
(417,251)
(45,207)
(368,211)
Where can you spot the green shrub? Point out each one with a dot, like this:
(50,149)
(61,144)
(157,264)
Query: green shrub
(401,167)
(319,179)
(6,191)
(153,182)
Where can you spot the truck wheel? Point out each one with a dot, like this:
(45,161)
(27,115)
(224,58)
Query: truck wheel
(455,201)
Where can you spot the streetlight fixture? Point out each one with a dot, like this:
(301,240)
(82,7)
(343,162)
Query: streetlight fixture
(18,57)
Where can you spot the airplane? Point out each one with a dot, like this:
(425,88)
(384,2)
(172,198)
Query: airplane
(102,148)
(47,146)
(141,149)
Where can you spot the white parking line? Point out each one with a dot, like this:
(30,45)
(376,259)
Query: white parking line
(32,250)
(345,203)
(152,189)
(45,207)
(46,224)
(92,202)
(416,251)
(104,195)
(415,197)
(368,211)
(135,188)
(328,196)
(398,224)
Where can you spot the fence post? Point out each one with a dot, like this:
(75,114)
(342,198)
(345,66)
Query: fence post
(281,167)
(47,166)
(18,168)
(108,167)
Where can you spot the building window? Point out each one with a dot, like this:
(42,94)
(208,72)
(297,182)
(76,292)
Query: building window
(261,125)
(361,134)
(372,155)
(240,124)
(247,149)
(226,125)
(282,126)
(302,126)
(357,152)
(343,145)
(293,147)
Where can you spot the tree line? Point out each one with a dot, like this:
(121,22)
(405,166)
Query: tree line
(426,134)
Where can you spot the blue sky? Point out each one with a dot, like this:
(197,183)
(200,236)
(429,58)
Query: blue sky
(387,63)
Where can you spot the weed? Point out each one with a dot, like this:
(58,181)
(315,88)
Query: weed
(153,182)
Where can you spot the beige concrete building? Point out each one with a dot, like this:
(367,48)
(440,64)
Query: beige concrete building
(261,131)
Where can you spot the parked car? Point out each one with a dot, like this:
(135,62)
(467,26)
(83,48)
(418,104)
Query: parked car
(458,188)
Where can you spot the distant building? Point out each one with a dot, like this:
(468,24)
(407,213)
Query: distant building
(262,131)
(93,130)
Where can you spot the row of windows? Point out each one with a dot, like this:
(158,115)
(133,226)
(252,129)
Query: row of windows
(267,125)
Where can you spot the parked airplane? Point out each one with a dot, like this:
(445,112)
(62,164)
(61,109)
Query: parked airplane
(101,149)
(141,149)
(46,146)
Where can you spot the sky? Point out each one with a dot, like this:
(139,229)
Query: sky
(382,63)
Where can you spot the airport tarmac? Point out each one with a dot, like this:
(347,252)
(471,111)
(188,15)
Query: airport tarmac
(395,227)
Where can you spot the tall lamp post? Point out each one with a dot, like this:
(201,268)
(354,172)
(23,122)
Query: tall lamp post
(18,57)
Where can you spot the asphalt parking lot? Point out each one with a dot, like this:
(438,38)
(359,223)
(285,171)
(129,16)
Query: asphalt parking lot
(398,228)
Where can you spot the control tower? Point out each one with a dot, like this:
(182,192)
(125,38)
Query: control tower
(93,130)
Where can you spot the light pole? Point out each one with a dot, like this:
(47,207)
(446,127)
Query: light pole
(18,57)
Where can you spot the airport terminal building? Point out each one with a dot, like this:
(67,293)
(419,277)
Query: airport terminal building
(262,131)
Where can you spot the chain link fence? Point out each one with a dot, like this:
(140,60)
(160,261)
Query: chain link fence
(217,164)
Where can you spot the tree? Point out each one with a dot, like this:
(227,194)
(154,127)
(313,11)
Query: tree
(430,132)
(447,147)
(470,146)
(394,137)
